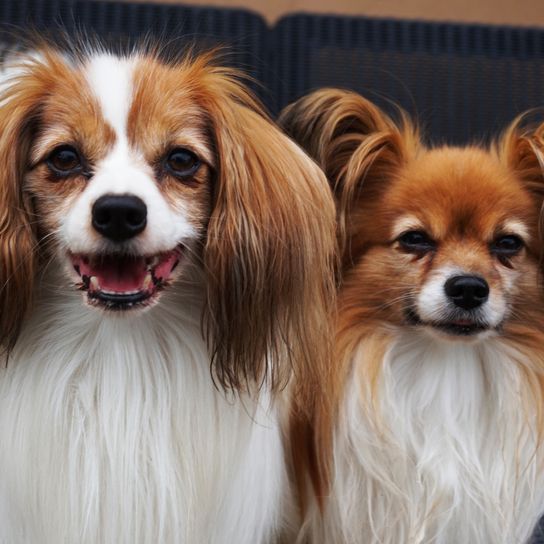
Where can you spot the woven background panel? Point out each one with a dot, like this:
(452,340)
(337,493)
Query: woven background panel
(463,81)
(243,35)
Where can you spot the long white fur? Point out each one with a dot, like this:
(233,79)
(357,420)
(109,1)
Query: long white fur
(113,432)
(444,456)
(111,428)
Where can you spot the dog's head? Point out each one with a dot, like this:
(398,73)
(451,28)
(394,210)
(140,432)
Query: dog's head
(129,171)
(444,239)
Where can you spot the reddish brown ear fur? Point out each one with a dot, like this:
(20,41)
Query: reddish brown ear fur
(17,242)
(352,140)
(18,252)
(270,257)
(356,144)
(20,103)
(270,250)
(522,148)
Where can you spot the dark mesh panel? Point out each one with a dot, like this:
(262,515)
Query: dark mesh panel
(122,24)
(464,82)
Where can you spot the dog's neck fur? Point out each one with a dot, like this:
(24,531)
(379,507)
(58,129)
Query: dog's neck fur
(112,431)
(443,451)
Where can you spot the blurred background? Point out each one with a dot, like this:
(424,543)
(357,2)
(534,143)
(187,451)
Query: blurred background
(466,68)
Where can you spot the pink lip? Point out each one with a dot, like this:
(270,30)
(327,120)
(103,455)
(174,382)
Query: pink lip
(463,322)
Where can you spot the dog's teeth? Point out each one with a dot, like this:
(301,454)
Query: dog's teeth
(148,282)
(94,283)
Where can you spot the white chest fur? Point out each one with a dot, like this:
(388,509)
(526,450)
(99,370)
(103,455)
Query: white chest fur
(445,456)
(113,432)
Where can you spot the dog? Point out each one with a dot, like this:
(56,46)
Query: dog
(437,379)
(166,273)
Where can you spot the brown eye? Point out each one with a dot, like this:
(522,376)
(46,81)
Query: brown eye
(507,246)
(64,160)
(182,163)
(416,241)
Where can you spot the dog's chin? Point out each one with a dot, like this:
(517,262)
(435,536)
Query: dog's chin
(121,283)
(465,329)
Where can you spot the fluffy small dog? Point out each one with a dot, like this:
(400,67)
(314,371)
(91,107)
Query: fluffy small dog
(165,268)
(439,370)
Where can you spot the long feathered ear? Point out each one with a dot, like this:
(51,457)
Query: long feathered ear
(270,251)
(19,100)
(358,146)
(522,149)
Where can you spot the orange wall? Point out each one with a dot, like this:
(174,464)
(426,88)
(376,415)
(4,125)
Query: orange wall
(514,12)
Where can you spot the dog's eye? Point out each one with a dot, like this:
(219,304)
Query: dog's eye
(416,241)
(182,162)
(64,160)
(507,246)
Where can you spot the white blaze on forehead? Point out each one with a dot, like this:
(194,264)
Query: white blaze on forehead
(123,170)
(111,81)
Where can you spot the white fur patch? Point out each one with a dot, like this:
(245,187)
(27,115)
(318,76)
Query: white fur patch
(434,305)
(110,79)
(445,457)
(112,432)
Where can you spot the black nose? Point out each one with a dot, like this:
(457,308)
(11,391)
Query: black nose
(467,292)
(119,217)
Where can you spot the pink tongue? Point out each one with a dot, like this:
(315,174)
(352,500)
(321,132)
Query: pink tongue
(165,267)
(119,275)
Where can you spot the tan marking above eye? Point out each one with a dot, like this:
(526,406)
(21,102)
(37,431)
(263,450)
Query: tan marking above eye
(405,224)
(514,227)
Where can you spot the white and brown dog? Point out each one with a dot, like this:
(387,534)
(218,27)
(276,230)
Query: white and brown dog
(165,268)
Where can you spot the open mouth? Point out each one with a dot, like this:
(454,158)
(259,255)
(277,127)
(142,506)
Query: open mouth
(455,327)
(121,282)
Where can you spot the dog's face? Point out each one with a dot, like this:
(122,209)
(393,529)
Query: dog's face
(121,176)
(130,171)
(448,240)
(449,245)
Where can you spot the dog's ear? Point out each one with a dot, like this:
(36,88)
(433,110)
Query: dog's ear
(358,146)
(270,251)
(522,148)
(20,95)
